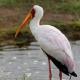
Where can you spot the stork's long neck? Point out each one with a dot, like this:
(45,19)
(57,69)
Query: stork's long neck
(34,24)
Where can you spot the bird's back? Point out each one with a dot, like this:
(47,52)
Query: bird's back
(54,38)
(55,44)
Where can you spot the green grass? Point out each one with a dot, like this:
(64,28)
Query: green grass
(69,6)
(25,77)
(71,29)
(8,2)
(14,3)
(24,37)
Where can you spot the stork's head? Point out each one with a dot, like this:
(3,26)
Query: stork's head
(35,12)
(38,11)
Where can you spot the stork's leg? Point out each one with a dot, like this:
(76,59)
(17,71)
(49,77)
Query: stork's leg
(50,73)
(60,75)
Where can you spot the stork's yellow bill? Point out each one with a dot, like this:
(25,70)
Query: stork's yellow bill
(27,19)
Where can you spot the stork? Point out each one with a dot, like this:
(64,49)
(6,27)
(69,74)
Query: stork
(52,41)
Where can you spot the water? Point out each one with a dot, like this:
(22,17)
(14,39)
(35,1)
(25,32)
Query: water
(15,63)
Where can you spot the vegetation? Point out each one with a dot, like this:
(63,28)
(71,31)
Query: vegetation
(64,14)
(69,6)
(7,37)
(25,77)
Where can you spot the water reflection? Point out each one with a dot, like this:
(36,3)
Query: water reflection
(15,63)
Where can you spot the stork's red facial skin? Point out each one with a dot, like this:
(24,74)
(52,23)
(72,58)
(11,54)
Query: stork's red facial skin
(30,15)
(33,12)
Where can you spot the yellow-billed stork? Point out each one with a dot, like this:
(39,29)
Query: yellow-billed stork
(52,41)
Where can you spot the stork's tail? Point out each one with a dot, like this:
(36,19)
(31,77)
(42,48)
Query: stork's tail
(73,74)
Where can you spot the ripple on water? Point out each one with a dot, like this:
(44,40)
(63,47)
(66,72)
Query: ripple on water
(35,61)
(19,67)
(14,58)
(2,68)
(8,73)
(25,63)
(28,74)
(10,62)
(31,62)
(37,72)
(28,69)
(44,63)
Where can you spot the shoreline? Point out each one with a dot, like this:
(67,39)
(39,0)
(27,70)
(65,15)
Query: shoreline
(25,38)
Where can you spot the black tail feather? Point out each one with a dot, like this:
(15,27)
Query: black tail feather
(60,66)
(73,74)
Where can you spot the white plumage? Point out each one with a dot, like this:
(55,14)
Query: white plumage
(52,41)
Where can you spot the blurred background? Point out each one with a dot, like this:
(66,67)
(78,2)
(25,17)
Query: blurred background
(63,14)
(22,58)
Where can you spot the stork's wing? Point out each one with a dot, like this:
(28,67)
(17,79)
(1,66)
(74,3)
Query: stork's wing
(54,43)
